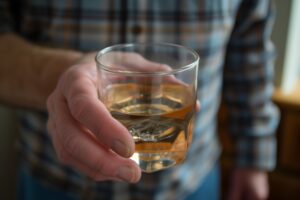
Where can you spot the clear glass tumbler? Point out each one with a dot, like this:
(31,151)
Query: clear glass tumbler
(151,90)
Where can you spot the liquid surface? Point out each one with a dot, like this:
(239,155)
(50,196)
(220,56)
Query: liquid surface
(160,119)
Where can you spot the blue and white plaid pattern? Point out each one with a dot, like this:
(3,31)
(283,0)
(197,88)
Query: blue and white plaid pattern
(232,39)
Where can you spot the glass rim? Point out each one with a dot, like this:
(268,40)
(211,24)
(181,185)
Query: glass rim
(155,73)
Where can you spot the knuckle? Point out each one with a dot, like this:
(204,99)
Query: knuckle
(67,153)
(63,156)
(163,67)
(78,107)
(64,144)
(67,79)
(72,74)
(98,175)
(78,87)
(70,144)
(129,57)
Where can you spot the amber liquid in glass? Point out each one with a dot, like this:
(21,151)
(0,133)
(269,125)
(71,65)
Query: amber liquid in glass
(160,119)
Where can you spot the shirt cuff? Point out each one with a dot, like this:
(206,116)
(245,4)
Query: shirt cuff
(253,152)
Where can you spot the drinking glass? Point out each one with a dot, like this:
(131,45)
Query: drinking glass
(151,90)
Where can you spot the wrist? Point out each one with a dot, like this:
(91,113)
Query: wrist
(52,63)
(29,72)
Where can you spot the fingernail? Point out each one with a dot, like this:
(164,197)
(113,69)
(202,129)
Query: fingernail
(125,174)
(120,148)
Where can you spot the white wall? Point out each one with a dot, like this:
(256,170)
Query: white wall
(287,41)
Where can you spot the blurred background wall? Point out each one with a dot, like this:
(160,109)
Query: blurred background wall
(8,155)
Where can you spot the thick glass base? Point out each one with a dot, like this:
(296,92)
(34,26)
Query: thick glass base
(152,162)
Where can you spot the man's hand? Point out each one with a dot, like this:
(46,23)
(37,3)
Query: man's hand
(248,184)
(84,134)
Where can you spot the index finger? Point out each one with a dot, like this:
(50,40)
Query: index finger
(84,105)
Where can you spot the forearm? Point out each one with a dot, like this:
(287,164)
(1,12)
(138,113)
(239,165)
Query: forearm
(28,72)
(248,86)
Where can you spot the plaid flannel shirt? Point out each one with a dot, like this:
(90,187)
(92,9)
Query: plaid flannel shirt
(232,38)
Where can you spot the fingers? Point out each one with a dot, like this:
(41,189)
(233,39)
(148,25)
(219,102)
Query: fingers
(77,147)
(139,63)
(132,62)
(84,134)
(81,96)
(258,187)
(248,184)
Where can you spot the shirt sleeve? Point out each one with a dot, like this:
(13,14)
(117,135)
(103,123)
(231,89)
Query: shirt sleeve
(248,85)
(6,19)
